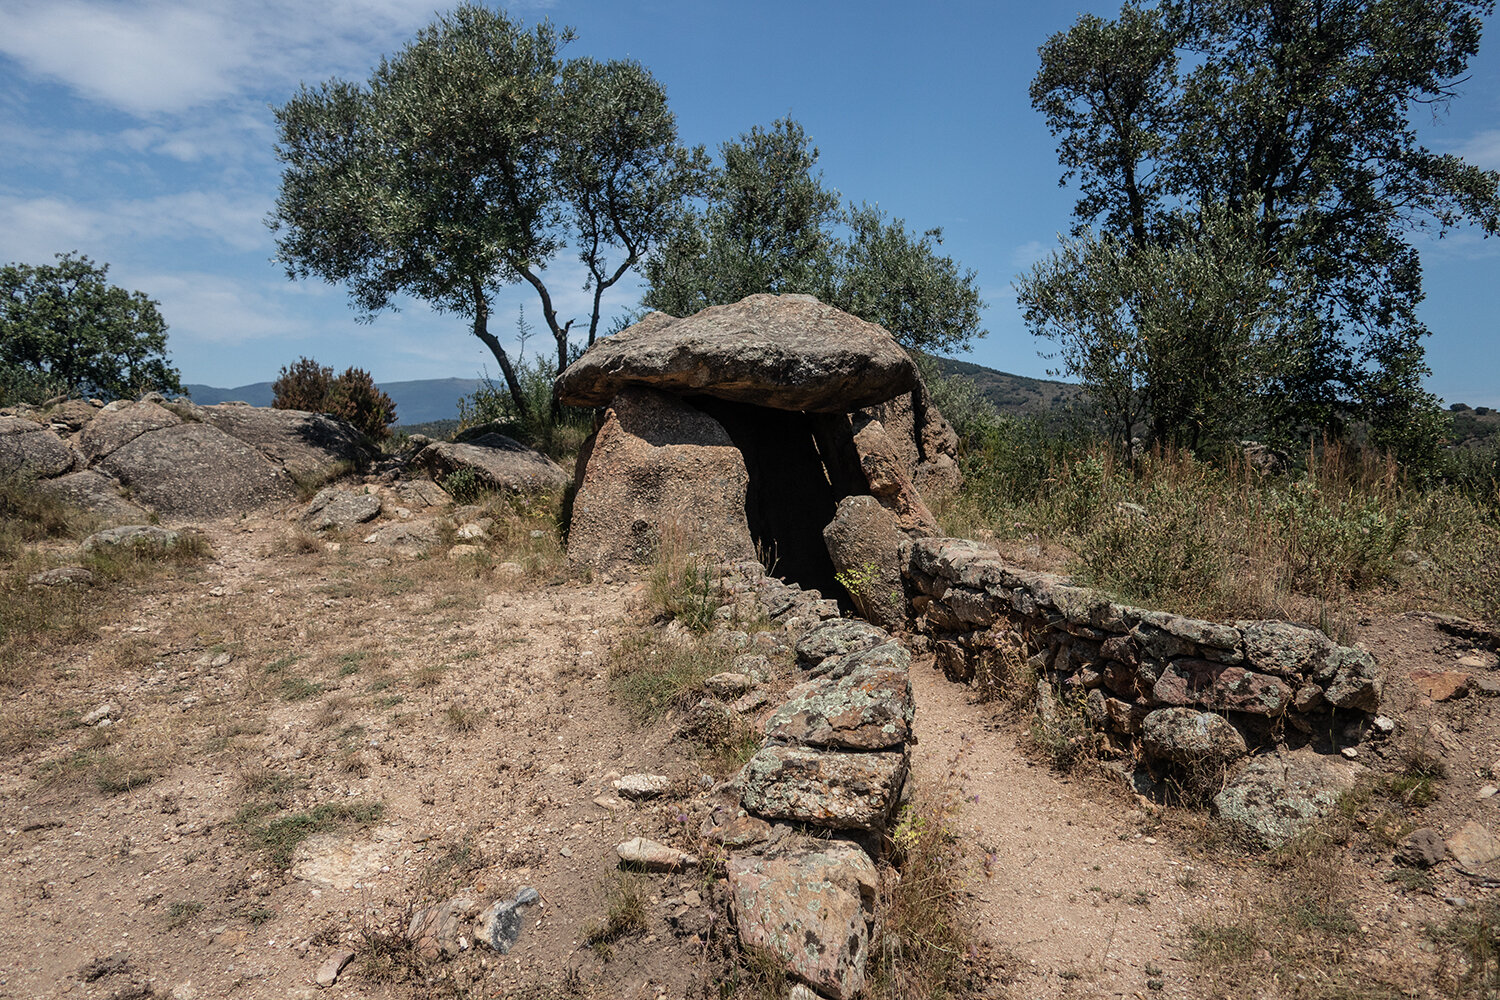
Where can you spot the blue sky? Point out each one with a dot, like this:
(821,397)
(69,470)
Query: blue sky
(140,134)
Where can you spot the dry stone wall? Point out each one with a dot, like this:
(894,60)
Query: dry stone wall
(1127,663)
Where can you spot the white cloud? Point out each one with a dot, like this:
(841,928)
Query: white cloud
(1027,254)
(33,229)
(169,56)
(1482,149)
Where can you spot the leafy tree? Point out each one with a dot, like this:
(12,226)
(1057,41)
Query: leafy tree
(64,327)
(352,396)
(769,225)
(1298,114)
(467,163)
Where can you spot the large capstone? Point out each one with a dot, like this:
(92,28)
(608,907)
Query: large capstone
(786,352)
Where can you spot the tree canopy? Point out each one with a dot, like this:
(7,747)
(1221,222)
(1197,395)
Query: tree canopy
(468,162)
(64,328)
(1293,117)
(767,224)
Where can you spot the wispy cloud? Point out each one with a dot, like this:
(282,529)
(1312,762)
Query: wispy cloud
(36,228)
(1482,149)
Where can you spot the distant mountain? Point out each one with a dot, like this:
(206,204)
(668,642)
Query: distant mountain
(425,400)
(417,402)
(1013,394)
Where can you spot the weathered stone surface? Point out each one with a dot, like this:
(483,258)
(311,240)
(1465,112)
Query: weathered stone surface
(443,929)
(1473,846)
(887,481)
(838,637)
(500,925)
(926,442)
(61,576)
(113,429)
(1282,648)
(499,462)
(647,855)
(787,352)
(412,536)
(32,449)
(888,654)
(1277,797)
(300,442)
(642,786)
(1215,685)
(659,469)
(1185,736)
(870,708)
(93,490)
(863,540)
(1423,849)
(422,493)
(195,470)
(340,508)
(130,536)
(328,971)
(731,826)
(729,685)
(1201,633)
(1441,685)
(837,790)
(70,416)
(807,906)
(1356,681)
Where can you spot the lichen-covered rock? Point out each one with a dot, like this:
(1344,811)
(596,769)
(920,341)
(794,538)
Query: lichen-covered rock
(1283,648)
(888,654)
(132,536)
(786,352)
(93,490)
(863,539)
(498,462)
(32,449)
(658,469)
(1217,685)
(300,442)
(838,637)
(1356,683)
(113,429)
(196,470)
(842,791)
(1188,737)
(1277,797)
(809,906)
(338,508)
(870,708)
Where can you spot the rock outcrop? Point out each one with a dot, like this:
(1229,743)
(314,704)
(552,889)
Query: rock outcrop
(196,470)
(30,449)
(498,463)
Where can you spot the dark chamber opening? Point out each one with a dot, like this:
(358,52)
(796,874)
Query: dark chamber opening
(789,499)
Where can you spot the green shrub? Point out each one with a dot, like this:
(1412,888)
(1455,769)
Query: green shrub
(352,396)
(557,432)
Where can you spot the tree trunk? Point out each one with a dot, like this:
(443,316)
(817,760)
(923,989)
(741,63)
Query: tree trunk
(482,331)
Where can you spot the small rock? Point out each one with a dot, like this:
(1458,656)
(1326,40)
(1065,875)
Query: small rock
(1486,792)
(474,531)
(222,660)
(650,856)
(1350,753)
(500,925)
(62,576)
(328,972)
(728,685)
(747,703)
(610,802)
(1423,849)
(1473,846)
(1384,724)
(642,786)
(1441,685)
(103,713)
(458,552)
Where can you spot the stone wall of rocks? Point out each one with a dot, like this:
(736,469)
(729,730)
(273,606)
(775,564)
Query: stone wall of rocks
(1126,663)
(804,826)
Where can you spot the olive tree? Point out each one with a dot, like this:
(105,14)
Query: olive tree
(467,163)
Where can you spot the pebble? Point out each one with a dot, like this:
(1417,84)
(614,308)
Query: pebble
(1486,792)
(328,972)
(1384,724)
(1350,753)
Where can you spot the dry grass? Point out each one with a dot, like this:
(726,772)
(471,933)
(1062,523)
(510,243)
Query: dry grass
(651,675)
(624,913)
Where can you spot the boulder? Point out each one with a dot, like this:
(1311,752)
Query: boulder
(131,536)
(1283,648)
(302,443)
(809,906)
(32,449)
(113,429)
(93,490)
(336,508)
(888,483)
(1473,846)
(195,470)
(926,443)
(1201,744)
(70,416)
(500,463)
(658,469)
(864,542)
(786,352)
(1277,797)
(838,637)
(870,708)
(842,791)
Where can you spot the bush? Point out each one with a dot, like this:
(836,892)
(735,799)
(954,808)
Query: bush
(556,433)
(352,396)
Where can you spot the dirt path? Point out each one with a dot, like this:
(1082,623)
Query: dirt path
(1066,882)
